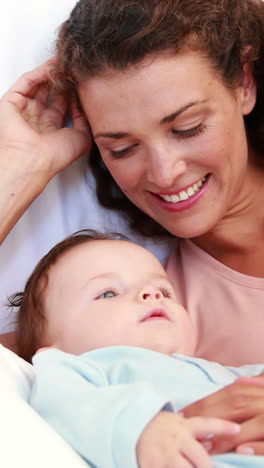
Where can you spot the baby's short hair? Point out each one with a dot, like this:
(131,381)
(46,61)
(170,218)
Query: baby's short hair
(31,319)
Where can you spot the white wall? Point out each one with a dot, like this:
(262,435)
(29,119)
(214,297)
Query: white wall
(27,33)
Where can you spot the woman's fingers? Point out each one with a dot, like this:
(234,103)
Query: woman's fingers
(79,120)
(37,115)
(29,80)
(243,402)
(258,380)
(251,431)
(28,83)
(53,116)
(254,448)
(237,402)
(42,93)
(207,429)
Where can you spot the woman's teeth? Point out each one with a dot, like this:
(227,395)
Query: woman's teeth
(184,194)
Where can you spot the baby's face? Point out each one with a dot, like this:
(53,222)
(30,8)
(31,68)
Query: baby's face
(114,293)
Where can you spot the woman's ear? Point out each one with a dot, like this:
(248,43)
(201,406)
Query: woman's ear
(248,90)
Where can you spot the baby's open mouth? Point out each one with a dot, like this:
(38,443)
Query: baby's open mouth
(155,314)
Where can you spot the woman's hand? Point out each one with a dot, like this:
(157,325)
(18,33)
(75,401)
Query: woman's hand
(31,126)
(34,146)
(241,402)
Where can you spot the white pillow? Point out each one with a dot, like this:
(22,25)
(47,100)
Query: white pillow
(26,440)
(16,375)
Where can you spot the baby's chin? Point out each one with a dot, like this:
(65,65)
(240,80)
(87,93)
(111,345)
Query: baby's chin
(175,343)
(167,348)
(164,343)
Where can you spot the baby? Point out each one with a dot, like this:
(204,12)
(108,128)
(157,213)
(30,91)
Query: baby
(115,366)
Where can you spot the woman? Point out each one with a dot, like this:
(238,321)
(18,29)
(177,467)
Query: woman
(174,99)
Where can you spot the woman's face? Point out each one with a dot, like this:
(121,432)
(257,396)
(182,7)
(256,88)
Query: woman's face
(172,135)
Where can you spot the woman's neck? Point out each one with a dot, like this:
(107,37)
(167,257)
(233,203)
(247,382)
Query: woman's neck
(238,239)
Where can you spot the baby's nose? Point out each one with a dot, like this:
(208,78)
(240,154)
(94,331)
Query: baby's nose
(151,294)
(156,295)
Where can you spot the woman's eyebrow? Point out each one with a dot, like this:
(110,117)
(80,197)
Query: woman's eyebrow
(114,135)
(169,118)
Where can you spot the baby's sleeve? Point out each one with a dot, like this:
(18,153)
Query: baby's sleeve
(249,370)
(102,422)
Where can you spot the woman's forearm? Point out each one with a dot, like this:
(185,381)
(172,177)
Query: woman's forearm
(16,194)
(34,146)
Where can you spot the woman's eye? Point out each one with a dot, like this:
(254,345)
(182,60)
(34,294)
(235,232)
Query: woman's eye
(107,295)
(122,153)
(191,132)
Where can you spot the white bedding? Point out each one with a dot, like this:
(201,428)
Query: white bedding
(26,440)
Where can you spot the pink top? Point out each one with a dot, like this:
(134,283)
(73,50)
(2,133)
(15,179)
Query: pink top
(226,307)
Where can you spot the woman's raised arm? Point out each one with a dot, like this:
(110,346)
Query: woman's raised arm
(34,146)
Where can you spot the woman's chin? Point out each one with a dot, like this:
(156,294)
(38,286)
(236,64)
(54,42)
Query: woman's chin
(188,232)
(193,225)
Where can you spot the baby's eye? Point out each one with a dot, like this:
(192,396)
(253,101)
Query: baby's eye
(107,295)
(167,293)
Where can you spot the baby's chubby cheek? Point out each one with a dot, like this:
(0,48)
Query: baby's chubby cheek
(189,337)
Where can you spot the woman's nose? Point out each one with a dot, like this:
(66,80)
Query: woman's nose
(164,167)
(150,294)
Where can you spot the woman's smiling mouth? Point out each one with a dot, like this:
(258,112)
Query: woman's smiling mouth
(184,194)
(183,199)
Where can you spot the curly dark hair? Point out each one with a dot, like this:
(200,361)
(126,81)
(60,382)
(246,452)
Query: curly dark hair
(31,319)
(116,34)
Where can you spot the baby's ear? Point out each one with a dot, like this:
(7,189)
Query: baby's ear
(45,349)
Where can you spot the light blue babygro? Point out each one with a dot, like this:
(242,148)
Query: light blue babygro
(101,401)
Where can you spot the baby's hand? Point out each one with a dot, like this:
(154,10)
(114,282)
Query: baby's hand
(169,440)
